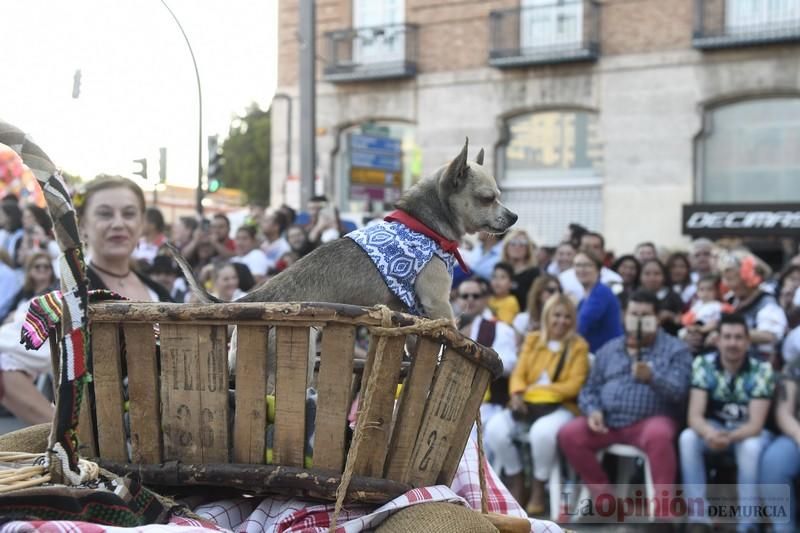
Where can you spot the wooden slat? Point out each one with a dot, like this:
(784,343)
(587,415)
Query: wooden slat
(108,393)
(257,314)
(461,434)
(143,393)
(378,419)
(194,393)
(443,410)
(335,371)
(250,422)
(87,446)
(411,407)
(290,395)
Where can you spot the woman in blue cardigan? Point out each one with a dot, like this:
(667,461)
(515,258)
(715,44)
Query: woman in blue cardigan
(599,315)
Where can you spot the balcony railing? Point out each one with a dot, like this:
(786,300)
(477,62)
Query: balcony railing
(557,32)
(377,52)
(733,23)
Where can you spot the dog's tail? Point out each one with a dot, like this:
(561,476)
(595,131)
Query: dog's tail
(200,293)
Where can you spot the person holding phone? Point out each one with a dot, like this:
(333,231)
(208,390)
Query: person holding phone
(634,395)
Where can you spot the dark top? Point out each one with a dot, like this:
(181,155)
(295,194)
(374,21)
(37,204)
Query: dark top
(95,282)
(520,285)
(669,300)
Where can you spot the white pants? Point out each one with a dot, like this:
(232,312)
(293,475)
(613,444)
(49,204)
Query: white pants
(541,437)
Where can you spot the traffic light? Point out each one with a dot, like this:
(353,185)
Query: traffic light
(215,163)
(162,165)
(76,84)
(143,171)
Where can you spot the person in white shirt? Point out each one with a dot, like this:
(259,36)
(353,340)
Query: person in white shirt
(248,253)
(273,225)
(563,258)
(569,281)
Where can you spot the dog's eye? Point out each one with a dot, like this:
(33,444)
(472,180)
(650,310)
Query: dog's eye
(487,200)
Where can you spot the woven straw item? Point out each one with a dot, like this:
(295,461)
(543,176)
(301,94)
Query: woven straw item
(436,517)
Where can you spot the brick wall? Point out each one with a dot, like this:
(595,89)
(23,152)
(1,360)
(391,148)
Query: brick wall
(638,26)
(454,34)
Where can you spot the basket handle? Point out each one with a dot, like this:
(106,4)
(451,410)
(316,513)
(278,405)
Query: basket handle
(75,348)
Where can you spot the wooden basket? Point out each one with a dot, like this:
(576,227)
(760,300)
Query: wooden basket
(185,429)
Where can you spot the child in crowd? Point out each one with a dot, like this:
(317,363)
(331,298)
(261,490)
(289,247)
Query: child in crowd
(226,282)
(707,309)
(502,303)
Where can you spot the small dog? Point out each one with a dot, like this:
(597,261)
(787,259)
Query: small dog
(459,198)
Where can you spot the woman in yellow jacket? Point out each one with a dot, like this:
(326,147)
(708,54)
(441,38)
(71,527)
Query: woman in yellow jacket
(552,365)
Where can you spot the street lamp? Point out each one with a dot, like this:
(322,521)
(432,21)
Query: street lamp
(199,115)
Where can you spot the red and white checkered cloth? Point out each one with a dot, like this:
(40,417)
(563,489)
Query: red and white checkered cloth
(279,514)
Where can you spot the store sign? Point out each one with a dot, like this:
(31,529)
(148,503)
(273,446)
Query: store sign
(741,219)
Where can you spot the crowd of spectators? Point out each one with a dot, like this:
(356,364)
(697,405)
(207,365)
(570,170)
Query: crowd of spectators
(693,357)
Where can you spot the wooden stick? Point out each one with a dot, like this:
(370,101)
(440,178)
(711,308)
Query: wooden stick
(317,482)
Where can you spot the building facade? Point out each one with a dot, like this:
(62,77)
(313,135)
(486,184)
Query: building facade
(614,114)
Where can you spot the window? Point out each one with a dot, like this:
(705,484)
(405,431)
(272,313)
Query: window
(744,16)
(381,33)
(552,24)
(552,144)
(748,152)
(551,172)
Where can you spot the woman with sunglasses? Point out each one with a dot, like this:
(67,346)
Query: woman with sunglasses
(519,251)
(18,366)
(552,366)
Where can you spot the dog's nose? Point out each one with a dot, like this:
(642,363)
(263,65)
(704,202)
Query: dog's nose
(512,217)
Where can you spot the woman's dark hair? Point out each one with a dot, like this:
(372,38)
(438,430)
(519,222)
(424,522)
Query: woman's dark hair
(534,294)
(628,257)
(667,280)
(576,232)
(246,279)
(103,182)
(42,217)
(153,215)
(679,256)
(290,213)
(14,215)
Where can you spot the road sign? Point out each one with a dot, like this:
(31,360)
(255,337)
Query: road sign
(373,176)
(375,144)
(391,163)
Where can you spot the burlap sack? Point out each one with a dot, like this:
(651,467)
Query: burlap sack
(437,517)
(32,439)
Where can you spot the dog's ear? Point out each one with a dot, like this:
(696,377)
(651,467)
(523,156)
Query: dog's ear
(457,170)
(479,158)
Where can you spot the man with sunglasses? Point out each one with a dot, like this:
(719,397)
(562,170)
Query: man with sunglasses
(478,323)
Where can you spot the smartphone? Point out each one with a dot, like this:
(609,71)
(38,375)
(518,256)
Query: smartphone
(205,225)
